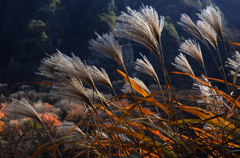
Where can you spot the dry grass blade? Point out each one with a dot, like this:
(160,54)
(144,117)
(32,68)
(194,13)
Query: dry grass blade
(100,76)
(72,89)
(208,33)
(127,89)
(182,64)
(212,17)
(107,45)
(146,67)
(136,27)
(151,16)
(24,108)
(234,62)
(193,49)
(189,26)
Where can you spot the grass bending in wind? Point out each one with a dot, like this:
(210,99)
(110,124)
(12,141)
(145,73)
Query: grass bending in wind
(207,127)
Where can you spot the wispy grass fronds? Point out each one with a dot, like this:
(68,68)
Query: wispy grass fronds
(234,62)
(136,27)
(141,84)
(212,17)
(51,66)
(107,45)
(156,24)
(100,76)
(22,107)
(208,33)
(72,89)
(81,71)
(182,64)
(127,88)
(193,49)
(210,97)
(144,66)
(189,26)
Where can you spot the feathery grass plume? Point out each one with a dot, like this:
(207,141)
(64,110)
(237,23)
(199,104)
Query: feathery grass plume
(67,126)
(107,45)
(215,102)
(22,107)
(182,64)
(100,76)
(51,66)
(189,26)
(208,33)
(151,16)
(193,49)
(72,89)
(127,89)
(212,17)
(234,62)
(79,71)
(134,26)
(146,67)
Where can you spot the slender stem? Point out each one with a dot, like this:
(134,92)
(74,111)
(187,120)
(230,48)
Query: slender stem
(229,68)
(52,139)
(161,58)
(140,108)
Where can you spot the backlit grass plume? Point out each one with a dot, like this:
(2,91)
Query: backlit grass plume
(51,66)
(208,33)
(100,76)
(22,107)
(136,27)
(127,89)
(144,66)
(193,49)
(189,26)
(72,89)
(107,45)
(212,17)
(156,24)
(182,64)
(235,63)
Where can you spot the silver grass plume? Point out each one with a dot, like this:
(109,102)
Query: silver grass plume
(146,67)
(212,17)
(136,27)
(107,45)
(234,62)
(50,66)
(182,64)
(193,49)
(156,24)
(208,33)
(100,76)
(22,107)
(72,89)
(80,71)
(127,89)
(215,102)
(189,26)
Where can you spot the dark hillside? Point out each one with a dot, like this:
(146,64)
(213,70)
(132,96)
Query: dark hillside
(32,29)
